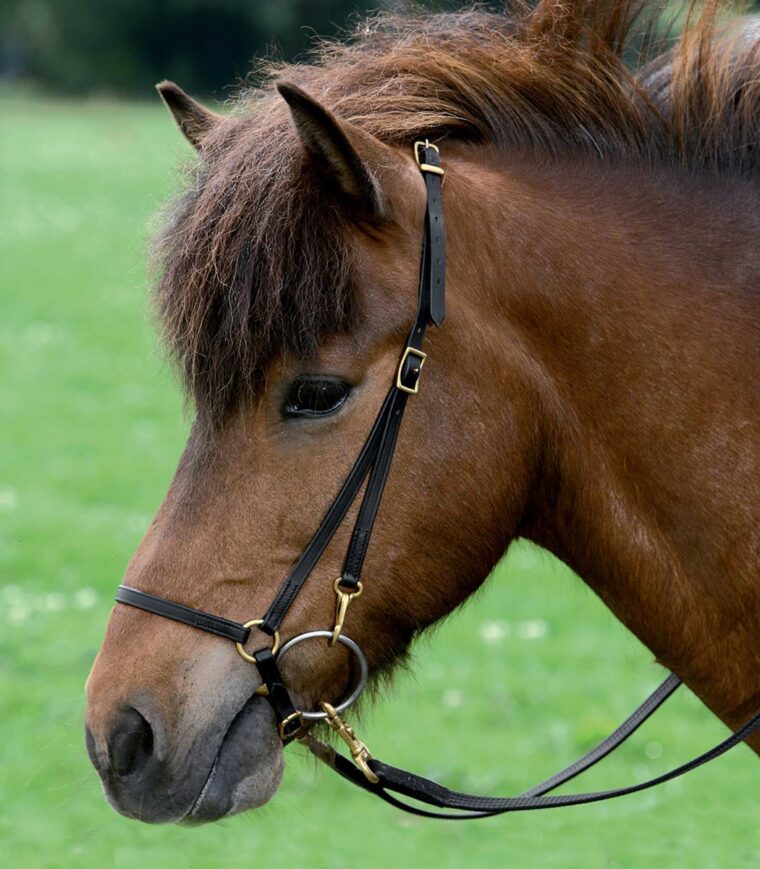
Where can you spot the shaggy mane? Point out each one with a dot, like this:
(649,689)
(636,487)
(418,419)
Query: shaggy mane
(254,261)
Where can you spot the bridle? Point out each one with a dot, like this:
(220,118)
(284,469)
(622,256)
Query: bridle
(372,466)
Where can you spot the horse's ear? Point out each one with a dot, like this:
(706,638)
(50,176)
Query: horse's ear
(195,120)
(338,149)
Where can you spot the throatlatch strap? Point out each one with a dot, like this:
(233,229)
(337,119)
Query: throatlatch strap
(179,613)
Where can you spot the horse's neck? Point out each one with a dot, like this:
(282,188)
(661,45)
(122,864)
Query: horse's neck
(637,302)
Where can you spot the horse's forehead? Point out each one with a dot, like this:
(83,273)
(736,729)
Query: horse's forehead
(247,279)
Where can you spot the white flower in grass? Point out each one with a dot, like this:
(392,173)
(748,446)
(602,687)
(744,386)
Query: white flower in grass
(52,602)
(452,698)
(493,632)
(8,499)
(39,334)
(533,629)
(138,522)
(85,598)
(18,614)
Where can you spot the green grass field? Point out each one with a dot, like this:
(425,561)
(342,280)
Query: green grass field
(92,426)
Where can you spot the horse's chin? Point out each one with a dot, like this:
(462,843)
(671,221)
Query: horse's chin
(247,769)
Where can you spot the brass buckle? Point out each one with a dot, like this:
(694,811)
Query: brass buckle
(426,167)
(250,658)
(297,734)
(359,751)
(410,351)
(341,607)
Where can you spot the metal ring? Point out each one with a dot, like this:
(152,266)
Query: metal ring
(250,658)
(350,644)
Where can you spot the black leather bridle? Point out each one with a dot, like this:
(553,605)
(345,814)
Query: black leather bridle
(372,466)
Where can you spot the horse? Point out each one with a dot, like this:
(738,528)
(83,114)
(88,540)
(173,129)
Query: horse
(593,388)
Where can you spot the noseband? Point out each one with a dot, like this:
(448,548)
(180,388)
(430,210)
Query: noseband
(373,465)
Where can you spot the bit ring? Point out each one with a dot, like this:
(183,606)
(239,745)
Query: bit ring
(353,647)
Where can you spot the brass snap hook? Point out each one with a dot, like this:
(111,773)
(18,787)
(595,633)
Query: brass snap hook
(359,751)
(341,607)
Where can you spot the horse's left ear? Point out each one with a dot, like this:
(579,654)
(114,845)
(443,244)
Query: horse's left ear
(339,149)
(195,120)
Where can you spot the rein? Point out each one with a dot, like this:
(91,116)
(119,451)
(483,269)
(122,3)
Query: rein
(373,465)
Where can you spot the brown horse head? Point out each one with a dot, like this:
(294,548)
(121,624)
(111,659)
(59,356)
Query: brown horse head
(547,407)
(261,468)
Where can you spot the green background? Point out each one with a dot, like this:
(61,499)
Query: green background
(125,46)
(521,681)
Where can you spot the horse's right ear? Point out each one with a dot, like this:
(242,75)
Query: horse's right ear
(195,120)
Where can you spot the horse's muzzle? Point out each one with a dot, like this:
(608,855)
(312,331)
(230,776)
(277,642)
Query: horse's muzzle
(217,775)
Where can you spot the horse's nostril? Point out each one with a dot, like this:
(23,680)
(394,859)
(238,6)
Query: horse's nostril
(131,743)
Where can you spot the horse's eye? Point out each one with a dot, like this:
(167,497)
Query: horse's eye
(315,396)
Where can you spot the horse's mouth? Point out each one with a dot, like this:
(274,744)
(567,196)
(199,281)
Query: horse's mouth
(246,770)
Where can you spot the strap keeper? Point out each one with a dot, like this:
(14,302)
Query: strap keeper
(408,375)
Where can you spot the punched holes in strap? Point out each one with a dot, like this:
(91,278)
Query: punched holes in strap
(428,161)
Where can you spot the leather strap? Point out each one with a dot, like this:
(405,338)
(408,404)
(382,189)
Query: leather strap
(329,756)
(435,240)
(370,506)
(328,526)
(289,721)
(178,612)
(615,739)
(430,311)
(394,782)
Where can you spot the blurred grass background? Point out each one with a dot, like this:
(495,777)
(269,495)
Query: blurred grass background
(520,682)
